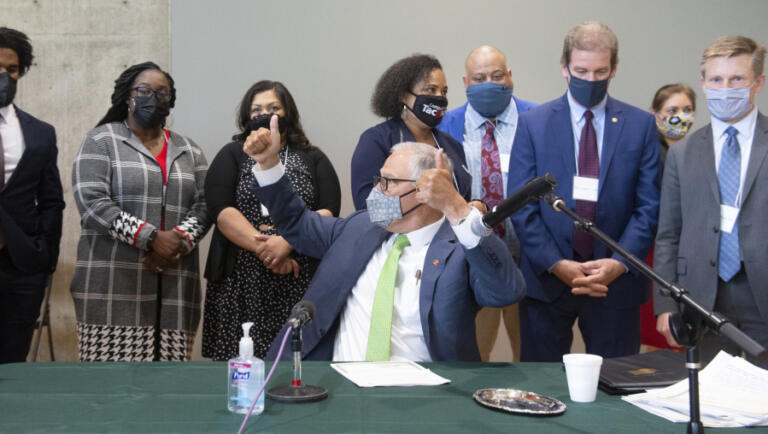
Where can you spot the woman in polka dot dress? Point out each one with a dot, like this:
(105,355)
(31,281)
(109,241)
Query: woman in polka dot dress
(245,283)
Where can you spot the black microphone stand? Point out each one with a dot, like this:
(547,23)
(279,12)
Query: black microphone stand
(297,392)
(686,327)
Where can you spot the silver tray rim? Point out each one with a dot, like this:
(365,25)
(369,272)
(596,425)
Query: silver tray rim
(560,406)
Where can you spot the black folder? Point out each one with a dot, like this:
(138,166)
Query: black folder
(633,374)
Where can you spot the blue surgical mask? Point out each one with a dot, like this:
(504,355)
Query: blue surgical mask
(383,209)
(587,93)
(728,103)
(489,99)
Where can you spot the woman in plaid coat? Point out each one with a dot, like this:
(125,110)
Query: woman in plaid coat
(139,190)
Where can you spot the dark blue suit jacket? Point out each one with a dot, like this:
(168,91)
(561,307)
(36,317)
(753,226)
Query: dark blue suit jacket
(373,149)
(454,283)
(31,202)
(628,194)
(453,122)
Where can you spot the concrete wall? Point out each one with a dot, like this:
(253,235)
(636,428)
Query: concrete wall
(80,48)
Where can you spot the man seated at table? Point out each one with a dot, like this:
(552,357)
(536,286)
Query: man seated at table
(401,280)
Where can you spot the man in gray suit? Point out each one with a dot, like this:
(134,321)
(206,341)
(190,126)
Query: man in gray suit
(713,236)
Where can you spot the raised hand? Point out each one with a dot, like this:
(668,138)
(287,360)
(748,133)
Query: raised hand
(435,188)
(263,145)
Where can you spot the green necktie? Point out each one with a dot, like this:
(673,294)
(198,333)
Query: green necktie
(380,334)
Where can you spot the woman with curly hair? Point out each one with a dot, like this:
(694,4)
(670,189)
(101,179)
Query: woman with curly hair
(411,95)
(253,273)
(139,189)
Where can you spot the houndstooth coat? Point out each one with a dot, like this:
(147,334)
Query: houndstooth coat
(118,190)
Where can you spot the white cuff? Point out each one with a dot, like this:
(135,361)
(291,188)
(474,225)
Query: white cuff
(467,237)
(269,176)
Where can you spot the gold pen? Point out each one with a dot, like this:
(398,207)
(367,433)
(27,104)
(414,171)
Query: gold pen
(418,276)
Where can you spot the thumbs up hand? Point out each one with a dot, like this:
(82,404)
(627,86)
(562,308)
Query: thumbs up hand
(263,145)
(435,188)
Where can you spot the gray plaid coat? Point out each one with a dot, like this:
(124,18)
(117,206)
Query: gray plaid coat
(118,189)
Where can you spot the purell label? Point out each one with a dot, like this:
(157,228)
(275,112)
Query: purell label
(240,371)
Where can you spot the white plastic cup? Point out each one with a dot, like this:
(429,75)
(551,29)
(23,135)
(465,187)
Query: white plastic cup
(583,373)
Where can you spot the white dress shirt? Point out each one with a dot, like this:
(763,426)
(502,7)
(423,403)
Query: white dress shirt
(577,124)
(407,342)
(13,139)
(746,128)
(474,131)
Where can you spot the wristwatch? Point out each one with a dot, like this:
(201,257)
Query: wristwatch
(151,239)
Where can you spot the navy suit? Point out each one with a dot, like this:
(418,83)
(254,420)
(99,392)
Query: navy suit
(454,283)
(374,148)
(627,211)
(31,205)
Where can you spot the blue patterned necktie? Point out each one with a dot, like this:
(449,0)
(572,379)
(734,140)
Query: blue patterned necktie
(729,179)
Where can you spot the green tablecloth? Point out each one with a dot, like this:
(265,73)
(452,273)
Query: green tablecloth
(191,397)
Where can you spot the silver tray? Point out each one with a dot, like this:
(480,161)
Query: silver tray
(519,401)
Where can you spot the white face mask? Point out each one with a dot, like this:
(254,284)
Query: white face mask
(728,103)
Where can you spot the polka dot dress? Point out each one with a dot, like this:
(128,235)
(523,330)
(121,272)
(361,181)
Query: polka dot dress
(252,292)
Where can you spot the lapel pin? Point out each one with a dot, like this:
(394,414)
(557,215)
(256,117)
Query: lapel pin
(436,262)
(614,120)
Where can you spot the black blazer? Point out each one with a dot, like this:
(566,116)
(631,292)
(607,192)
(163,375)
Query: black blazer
(31,202)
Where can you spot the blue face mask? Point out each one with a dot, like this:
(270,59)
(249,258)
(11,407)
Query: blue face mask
(727,104)
(587,93)
(489,99)
(383,209)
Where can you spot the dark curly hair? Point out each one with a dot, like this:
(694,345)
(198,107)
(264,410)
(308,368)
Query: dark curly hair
(123,86)
(18,42)
(294,132)
(398,79)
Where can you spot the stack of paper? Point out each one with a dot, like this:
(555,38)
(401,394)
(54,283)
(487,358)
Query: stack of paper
(372,374)
(732,392)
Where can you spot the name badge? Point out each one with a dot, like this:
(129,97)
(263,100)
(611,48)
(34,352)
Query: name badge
(728,216)
(585,188)
(504,160)
(264,210)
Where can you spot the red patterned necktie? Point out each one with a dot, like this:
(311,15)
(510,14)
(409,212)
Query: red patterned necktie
(589,166)
(493,182)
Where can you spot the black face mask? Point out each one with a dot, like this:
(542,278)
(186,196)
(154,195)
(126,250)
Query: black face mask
(262,121)
(429,108)
(149,112)
(7,89)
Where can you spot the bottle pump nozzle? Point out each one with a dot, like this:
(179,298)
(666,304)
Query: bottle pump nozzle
(246,343)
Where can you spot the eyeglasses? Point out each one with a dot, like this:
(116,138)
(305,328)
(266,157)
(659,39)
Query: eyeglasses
(383,182)
(161,94)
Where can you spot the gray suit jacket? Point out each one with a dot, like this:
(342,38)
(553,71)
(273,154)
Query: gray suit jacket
(688,238)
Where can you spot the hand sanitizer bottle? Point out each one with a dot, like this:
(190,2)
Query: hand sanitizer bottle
(246,376)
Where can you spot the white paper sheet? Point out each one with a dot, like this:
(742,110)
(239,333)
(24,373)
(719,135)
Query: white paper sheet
(732,392)
(374,374)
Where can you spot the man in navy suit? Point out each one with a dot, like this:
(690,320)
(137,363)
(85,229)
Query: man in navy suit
(31,204)
(485,126)
(604,155)
(444,272)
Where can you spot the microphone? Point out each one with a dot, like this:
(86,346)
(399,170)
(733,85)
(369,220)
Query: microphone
(302,313)
(533,190)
